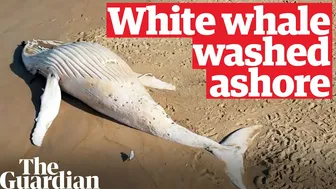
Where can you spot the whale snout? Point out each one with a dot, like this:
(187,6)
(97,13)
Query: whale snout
(32,48)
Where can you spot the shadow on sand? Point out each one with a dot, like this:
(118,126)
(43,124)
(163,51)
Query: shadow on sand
(37,82)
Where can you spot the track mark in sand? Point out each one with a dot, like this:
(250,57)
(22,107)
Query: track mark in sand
(207,173)
(198,155)
(208,132)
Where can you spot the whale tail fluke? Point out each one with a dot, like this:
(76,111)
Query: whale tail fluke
(235,145)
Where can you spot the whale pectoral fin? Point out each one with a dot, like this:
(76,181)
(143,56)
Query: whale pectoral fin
(50,104)
(149,80)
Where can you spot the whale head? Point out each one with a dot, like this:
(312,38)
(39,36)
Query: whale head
(32,48)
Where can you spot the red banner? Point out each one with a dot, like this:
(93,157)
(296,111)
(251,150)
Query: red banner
(249,50)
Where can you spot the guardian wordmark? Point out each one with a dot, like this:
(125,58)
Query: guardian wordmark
(38,175)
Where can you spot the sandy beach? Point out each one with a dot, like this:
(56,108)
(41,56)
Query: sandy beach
(296,149)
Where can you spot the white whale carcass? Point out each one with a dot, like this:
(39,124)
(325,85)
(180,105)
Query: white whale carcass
(105,82)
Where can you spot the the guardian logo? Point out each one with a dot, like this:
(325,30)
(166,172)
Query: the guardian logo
(45,176)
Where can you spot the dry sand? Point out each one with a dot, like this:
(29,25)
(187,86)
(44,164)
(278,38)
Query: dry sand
(296,149)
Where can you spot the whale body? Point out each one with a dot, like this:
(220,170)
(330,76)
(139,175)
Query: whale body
(103,80)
